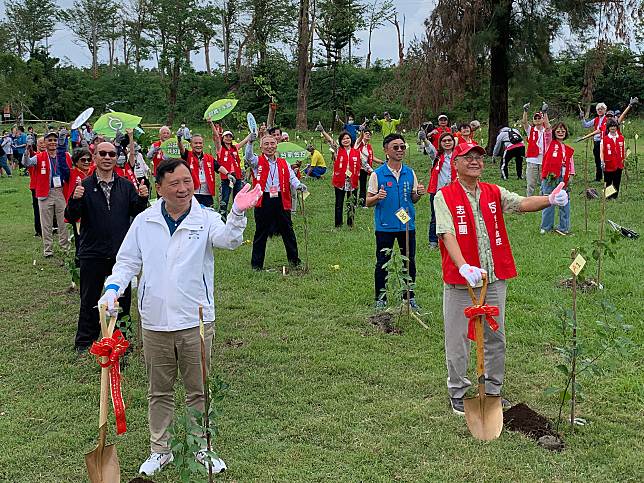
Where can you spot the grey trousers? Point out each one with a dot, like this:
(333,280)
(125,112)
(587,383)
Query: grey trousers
(533,177)
(457,346)
(164,353)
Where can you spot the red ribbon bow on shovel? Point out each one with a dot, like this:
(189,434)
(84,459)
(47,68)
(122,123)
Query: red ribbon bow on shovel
(113,348)
(473,312)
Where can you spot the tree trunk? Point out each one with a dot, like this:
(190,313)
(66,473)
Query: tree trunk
(94,53)
(401,47)
(368,61)
(173,91)
(303,67)
(206,51)
(499,71)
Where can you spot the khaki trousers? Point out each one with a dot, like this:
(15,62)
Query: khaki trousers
(53,205)
(165,352)
(457,346)
(533,177)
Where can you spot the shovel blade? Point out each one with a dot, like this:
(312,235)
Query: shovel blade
(484,417)
(103,465)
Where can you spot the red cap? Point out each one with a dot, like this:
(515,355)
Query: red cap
(463,148)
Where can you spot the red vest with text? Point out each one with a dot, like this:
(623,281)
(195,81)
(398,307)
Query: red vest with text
(600,125)
(440,130)
(128,173)
(369,152)
(74,174)
(157,158)
(532,151)
(436,169)
(465,228)
(41,173)
(208,169)
(346,160)
(614,153)
(229,159)
(559,155)
(460,139)
(284,176)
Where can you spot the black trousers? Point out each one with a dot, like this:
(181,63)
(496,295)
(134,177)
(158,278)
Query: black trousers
(598,161)
(433,238)
(517,153)
(271,218)
(364,176)
(93,272)
(613,178)
(352,199)
(34,204)
(206,200)
(385,239)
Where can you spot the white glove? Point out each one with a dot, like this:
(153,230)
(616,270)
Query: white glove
(319,127)
(473,275)
(633,101)
(252,137)
(559,196)
(526,106)
(302,187)
(109,298)
(544,107)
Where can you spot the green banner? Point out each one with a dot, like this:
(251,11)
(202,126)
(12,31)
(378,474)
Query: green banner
(109,123)
(171,147)
(220,109)
(291,151)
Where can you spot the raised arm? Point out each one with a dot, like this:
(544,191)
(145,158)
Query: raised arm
(131,158)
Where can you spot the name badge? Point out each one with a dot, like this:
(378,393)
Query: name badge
(56,181)
(273,191)
(43,171)
(348,173)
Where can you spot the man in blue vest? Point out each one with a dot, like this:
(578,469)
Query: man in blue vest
(391,187)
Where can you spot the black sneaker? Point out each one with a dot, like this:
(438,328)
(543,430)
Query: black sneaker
(413,305)
(457,405)
(505,404)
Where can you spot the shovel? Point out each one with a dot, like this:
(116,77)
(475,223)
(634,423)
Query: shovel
(483,413)
(102,462)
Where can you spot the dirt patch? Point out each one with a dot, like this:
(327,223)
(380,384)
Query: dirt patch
(235,343)
(138,479)
(583,285)
(522,418)
(385,322)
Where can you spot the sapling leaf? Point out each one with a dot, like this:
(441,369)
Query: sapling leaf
(563,369)
(549,391)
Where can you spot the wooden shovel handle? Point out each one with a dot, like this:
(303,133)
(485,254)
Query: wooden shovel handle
(480,339)
(107,330)
(481,299)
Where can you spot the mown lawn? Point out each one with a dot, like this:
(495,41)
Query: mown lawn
(316,392)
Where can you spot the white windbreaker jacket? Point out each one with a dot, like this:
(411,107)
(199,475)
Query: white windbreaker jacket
(178,271)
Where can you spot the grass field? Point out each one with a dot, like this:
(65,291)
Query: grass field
(316,393)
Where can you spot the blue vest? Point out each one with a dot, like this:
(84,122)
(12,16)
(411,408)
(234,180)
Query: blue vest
(398,196)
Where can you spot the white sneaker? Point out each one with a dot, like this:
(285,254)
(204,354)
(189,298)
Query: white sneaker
(218,465)
(155,463)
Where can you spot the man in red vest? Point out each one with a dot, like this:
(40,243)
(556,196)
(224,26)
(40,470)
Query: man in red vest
(273,210)
(49,175)
(473,242)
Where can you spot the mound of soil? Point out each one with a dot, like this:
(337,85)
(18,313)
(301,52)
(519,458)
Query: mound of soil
(585,286)
(385,322)
(138,479)
(522,418)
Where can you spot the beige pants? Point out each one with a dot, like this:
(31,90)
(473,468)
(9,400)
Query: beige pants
(53,205)
(533,177)
(164,353)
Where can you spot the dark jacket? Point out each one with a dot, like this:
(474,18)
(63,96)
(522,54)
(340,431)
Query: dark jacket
(102,229)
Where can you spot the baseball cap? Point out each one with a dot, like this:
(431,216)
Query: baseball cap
(227,133)
(442,116)
(49,133)
(610,113)
(464,148)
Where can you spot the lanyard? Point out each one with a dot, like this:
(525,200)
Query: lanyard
(272,171)
(53,165)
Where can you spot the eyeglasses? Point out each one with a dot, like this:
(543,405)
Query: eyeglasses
(107,154)
(399,147)
(84,159)
(474,157)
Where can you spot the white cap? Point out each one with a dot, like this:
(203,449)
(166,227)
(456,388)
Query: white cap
(227,133)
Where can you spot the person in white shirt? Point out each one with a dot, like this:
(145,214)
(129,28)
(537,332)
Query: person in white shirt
(538,140)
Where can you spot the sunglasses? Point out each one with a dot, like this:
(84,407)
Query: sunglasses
(399,147)
(84,159)
(107,154)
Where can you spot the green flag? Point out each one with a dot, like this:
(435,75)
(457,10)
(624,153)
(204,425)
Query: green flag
(171,147)
(220,109)
(291,152)
(110,122)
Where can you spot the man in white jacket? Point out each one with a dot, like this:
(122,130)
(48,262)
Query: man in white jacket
(173,241)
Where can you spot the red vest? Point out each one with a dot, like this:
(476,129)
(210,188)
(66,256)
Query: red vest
(263,170)
(361,146)
(41,173)
(208,168)
(128,173)
(74,174)
(436,169)
(614,153)
(344,161)
(533,140)
(465,227)
(437,136)
(157,158)
(559,155)
(229,159)
(460,139)
(597,125)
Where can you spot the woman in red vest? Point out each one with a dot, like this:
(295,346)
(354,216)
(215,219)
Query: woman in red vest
(82,167)
(363,144)
(613,153)
(464,134)
(557,167)
(228,157)
(346,174)
(443,172)
(155,154)
(443,127)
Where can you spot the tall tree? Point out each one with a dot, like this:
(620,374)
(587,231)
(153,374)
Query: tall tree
(138,18)
(33,20)
(377,15)
(209,20)
(270,24)
(305,33)
(88,20)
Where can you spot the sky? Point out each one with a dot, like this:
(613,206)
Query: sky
(383,43)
